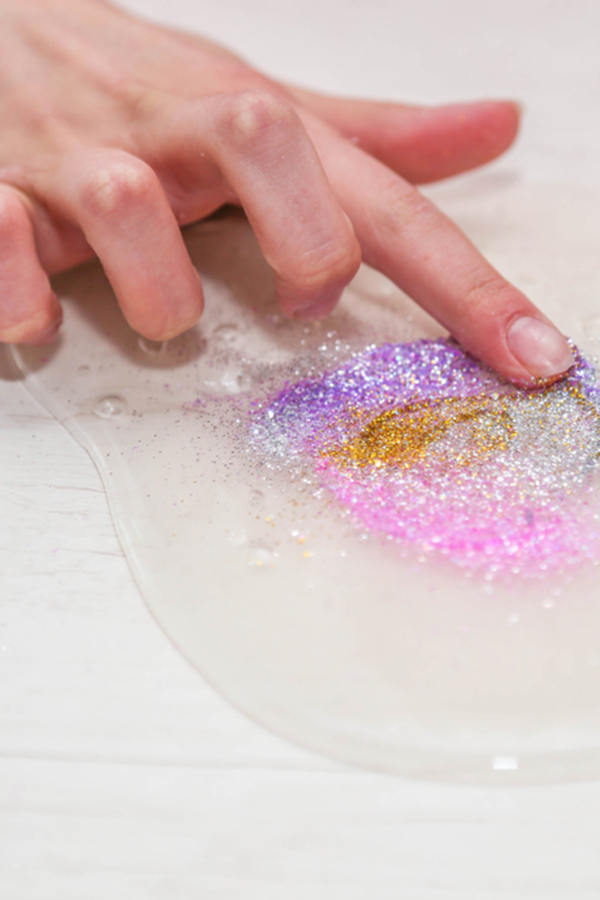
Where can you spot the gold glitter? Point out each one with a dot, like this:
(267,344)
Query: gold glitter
(480,426)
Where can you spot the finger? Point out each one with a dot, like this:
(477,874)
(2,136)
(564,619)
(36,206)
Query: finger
(403,235)
(422,144)
(255,143)
(119,204)
(29,311)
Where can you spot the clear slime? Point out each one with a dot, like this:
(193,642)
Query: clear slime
(361,537)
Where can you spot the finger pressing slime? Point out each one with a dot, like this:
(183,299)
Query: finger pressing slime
(423,444)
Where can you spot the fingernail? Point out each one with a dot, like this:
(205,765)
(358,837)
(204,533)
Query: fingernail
(539,347)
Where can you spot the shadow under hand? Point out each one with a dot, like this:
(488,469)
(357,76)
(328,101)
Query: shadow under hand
(240,300)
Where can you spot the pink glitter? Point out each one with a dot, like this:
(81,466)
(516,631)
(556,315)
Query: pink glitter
(512,488)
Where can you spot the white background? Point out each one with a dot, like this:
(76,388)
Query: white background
(122,774)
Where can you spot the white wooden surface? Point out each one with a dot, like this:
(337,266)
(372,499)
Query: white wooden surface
(122,774)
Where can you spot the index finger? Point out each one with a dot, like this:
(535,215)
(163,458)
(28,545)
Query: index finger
(407,238)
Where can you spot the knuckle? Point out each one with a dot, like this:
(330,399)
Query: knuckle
(117,186)
(331,264)
(402,206)
(486,295)
(247,117)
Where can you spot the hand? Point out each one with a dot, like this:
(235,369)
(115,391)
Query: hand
(116,132)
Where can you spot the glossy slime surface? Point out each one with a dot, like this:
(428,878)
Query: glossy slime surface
(422,444)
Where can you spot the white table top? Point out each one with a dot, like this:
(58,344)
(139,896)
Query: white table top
(122,773)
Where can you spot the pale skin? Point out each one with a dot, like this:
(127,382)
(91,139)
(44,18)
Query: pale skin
(115,133)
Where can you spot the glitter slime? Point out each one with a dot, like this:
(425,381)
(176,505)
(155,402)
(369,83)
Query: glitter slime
(358,535)
(421,443)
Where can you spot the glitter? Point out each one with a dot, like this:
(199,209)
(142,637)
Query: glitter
(403,436)
(424,445)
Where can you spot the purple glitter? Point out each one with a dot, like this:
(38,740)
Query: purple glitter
(509,488)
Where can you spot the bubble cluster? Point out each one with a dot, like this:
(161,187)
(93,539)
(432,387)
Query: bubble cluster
(423,444)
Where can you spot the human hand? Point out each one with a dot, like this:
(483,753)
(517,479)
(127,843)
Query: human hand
(116,132)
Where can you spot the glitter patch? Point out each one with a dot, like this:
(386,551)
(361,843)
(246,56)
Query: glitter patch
(423,444)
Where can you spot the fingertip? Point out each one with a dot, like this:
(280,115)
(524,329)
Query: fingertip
(459,137)
(523,346)
(500,123)
(320,308)
(38,329)
(442,141)
(48,337)
(177,315)
(55,316)
(518,108)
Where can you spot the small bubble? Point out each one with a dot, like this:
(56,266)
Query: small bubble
(234,381)
(260,554)
(505,763)
(386,289)
(514,618)
(110,406)
(227,332)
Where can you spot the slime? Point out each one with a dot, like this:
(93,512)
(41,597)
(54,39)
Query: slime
(305,506)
